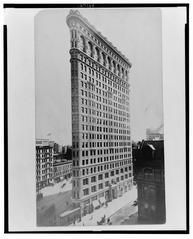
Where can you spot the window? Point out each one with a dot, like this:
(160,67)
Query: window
(103,59)
(90,49)
(93,179)
(109,63)
(82,43)
(85,181)
(100,177)
(93,189)
(97,54)
(100,186)
(85,191)
(106,175)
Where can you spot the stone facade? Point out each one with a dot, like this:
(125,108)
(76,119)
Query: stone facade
(62,170)
(102,166)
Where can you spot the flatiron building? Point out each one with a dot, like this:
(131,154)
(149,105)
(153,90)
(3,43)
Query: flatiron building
(101,145)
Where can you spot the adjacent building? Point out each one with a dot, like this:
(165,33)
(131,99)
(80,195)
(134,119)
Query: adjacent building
(149,172)
(44,163)
(101,151)
(62,169)
(50,167)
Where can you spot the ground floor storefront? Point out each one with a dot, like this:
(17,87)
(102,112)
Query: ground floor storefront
(97,201)
(107,209)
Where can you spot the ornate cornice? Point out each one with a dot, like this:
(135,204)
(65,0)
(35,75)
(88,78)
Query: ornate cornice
(75,14)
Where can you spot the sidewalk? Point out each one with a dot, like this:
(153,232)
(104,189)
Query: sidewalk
(92,218)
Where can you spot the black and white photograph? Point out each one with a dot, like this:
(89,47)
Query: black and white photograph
(97,123)
(99,117)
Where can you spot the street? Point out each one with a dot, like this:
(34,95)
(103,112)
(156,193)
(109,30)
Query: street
(113,210)
(123,215)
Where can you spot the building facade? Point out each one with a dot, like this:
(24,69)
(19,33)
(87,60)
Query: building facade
(62,169)
(44,163)
(149,169)
(101,145)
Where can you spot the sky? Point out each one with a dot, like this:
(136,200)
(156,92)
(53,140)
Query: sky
(135,32)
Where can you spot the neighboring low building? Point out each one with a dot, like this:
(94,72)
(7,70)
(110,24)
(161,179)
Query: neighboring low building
(149,171)
(44,163)
(62,169)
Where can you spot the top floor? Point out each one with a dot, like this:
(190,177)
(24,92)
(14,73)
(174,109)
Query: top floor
(86,38)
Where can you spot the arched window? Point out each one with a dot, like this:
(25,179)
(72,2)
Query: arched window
(118,70)
(109,62)
(126,75)
(82,44)
(114,67)
(90,49)
(123,73)
(97,54)
(103,59)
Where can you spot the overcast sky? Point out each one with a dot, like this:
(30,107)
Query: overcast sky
(135,32)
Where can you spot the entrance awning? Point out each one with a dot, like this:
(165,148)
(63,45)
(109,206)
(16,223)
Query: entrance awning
(102,200)
(95,203)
